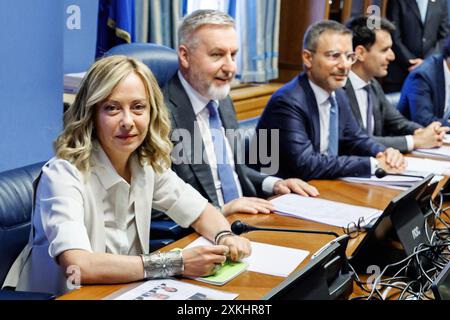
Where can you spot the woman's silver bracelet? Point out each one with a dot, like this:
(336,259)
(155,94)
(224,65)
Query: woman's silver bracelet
(163,264)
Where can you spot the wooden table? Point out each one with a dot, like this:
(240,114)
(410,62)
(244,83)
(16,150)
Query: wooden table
(252,285)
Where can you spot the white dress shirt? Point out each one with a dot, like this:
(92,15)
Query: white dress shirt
(423,8)
(199,103)
(324,115)
(362,99)
(324,118)
(447,86)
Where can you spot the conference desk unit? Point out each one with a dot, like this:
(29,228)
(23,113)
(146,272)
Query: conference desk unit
(251,285)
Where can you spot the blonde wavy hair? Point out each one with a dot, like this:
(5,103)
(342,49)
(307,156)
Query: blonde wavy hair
(76,141)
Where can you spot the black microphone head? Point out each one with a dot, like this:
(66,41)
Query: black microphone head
(380,173)
(238,227)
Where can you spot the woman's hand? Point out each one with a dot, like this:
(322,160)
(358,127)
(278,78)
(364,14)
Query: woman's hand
(201,261)
(239,247)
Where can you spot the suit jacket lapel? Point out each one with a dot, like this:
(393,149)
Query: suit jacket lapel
(185,118)
(377,112)
(432,5)
(441,83)
(353,102)
(142,202)
(313,109)
(227,114)
(415,8)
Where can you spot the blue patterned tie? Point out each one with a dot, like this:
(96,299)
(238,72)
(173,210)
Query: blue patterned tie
(369,122)
(333,138)
(229,188)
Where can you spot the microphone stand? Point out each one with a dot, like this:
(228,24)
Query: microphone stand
(238,227)
(381,173)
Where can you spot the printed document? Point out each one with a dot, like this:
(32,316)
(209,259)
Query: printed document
(168,289)
(441,152)
(324,211)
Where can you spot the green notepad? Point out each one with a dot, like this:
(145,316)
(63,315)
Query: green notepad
(227,272)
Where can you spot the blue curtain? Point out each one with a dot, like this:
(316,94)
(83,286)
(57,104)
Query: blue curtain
(116,24)
(257,23)
(259,28)
(222,5)
(157,21)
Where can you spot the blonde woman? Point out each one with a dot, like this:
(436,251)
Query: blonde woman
(94,199)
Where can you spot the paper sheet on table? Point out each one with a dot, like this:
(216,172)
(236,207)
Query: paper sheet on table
(428,166)
(447,138)
(323,211)
(416,166)
(441,152)
(266,258)
(387,181)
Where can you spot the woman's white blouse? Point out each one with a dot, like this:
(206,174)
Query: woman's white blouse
(97,212)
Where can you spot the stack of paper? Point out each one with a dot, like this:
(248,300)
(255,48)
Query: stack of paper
(324,211)
(418,167)
(387,181)
(72,82)
(447,138)
(428,166)
(441,152)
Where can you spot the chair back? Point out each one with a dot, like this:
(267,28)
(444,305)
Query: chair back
(394,98)
(16,190)
(162,60)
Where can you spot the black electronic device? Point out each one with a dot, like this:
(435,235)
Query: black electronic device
(425,197)
(327,276)
(395,234)
(446,191)
(441,286)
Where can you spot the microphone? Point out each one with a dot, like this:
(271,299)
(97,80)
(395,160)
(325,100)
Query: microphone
(381,173)
(238,227)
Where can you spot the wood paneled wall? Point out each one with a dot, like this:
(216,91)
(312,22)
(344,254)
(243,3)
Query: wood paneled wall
(298,15)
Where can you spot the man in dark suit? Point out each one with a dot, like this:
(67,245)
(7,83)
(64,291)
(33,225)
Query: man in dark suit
(426,93)
(375,114)
(421,26)
(319,136)
(201,109)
